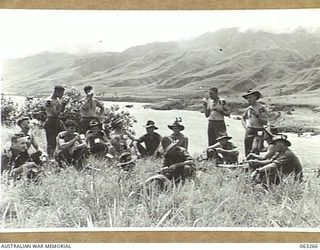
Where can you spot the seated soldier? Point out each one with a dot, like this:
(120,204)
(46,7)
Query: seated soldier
(177,136)
(118,138)
(72,149)
(271,171)
(127,161)
(16,160)
(24,124)
(151,140)
(178,165)
(269,132)
(223,151)
(97,140)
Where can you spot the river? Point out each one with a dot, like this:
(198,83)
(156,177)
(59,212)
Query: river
(306,147)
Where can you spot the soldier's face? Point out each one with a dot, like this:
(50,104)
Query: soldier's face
(25,124)
(252,99)
(20,145)
(149,130)
(176,129)
(60,93)
(213,93)
(280,145)
(223,141)
(71,129)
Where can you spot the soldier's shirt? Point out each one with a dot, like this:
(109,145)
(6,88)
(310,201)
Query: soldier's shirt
(288,163)
(252,120)
(176,155)
(151,141)
(216,115)
(180,139)
(53,107)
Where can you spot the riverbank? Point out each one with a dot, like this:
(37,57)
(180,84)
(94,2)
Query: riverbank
(290,118)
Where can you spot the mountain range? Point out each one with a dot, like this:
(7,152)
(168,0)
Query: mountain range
(233,61)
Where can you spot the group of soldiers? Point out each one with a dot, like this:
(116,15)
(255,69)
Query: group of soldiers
(70,143)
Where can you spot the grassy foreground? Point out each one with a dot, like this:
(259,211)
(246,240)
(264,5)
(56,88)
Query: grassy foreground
(109,198)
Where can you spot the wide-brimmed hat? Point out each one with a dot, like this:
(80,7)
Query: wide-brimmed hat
(125,159)
(167,144)
(22,119)
(176,124)
(271,130)
(281,137)
(223,136)
(94,123)
(150,124)
(252,92)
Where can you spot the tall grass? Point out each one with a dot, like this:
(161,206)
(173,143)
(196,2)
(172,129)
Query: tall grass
(112,198)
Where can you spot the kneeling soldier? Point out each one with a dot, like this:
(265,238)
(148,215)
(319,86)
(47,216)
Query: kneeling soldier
(223,151)
(16,161)
(178,165)
(72,149)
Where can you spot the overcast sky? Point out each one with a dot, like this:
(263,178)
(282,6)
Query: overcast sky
(28,32)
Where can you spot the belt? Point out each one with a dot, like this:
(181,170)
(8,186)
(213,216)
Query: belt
(216,120)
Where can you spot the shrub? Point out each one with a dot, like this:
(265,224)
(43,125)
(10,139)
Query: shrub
(9,110)
(34,108)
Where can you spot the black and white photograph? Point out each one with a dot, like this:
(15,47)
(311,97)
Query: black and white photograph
(160,120)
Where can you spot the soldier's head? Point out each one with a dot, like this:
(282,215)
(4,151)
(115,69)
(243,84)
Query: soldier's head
(88,90)
(24,123)
(223,138)
(59,91)
(269,132)
(213,92)
(280,142)
(150,127)
(252,96)
(71,126)
(127,161)
(19,142)
(94,125)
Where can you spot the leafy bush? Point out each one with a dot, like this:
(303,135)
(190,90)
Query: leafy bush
(34,108)
(9,111)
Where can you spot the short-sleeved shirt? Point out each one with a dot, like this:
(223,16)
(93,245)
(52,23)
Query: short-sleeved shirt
(180,139)
(288,163)
(252,120)
(151,141)
(216,115)
(176,155)
(11,159)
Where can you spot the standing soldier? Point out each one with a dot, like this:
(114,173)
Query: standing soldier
(253,120)
(54,106)
(215,108)
(88,110)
